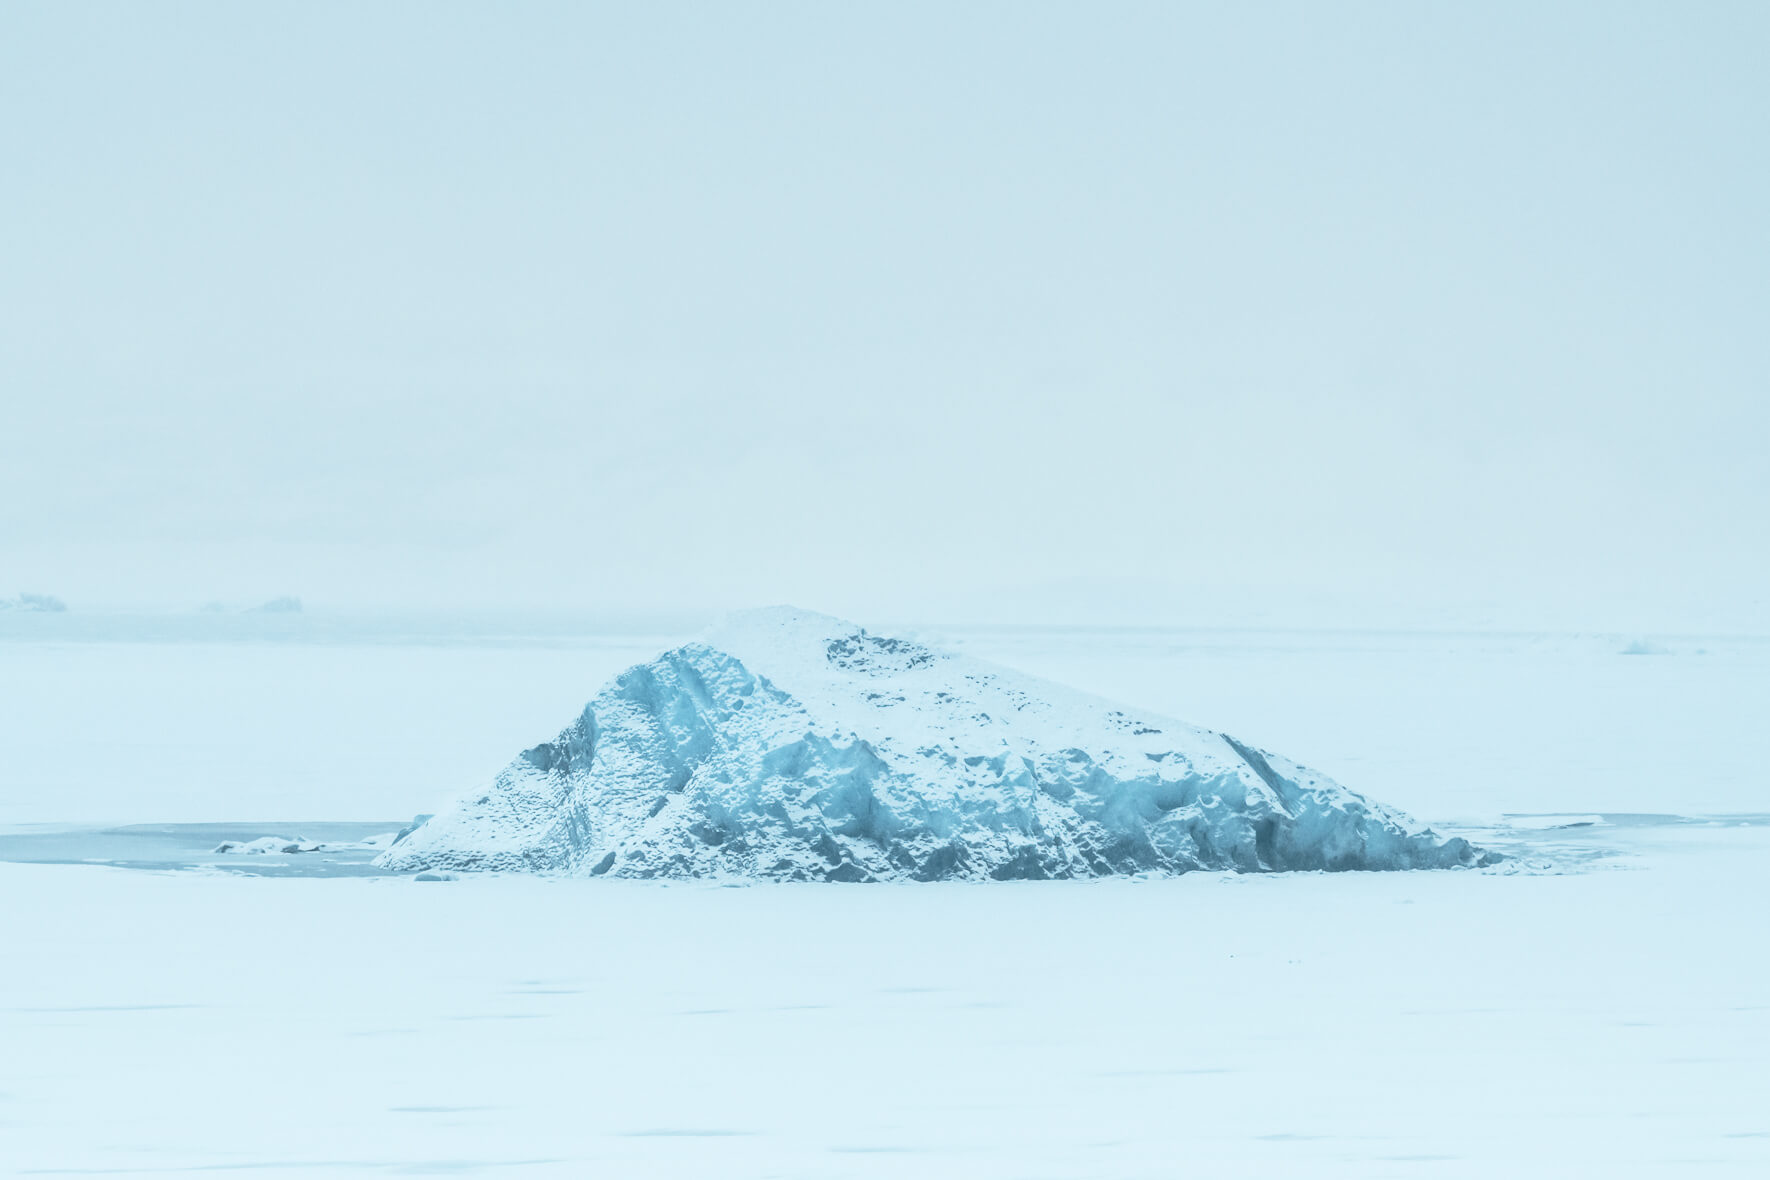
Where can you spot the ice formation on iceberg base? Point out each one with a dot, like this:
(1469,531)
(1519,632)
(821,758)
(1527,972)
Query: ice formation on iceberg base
(791,746)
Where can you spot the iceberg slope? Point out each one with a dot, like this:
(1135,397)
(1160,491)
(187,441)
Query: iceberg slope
(787,745)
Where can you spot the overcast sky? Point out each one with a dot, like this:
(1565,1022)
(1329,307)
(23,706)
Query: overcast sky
(904,310)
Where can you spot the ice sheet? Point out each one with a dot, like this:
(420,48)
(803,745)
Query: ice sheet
(1614,1021)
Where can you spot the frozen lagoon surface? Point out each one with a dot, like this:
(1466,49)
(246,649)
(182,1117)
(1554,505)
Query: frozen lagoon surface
(1598,1005)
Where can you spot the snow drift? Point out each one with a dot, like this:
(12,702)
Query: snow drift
(787,745)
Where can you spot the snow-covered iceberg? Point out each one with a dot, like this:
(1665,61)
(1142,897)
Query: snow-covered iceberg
(787,745)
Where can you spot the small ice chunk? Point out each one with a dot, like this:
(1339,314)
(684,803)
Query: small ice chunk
(266,844)
(1645,647)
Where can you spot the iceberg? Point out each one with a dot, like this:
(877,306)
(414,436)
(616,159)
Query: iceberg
(791,746)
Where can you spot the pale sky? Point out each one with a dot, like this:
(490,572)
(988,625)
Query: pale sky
(900,310)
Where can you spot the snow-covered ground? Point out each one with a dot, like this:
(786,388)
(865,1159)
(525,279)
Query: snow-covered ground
(1610,1018)
(1613,1022)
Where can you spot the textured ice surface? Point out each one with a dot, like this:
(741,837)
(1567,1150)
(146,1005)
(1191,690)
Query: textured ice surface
(267,845)
(792,746)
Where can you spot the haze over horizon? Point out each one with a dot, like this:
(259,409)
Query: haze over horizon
(1141,311)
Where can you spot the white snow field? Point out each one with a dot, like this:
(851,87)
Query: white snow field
(1596,1005)
(1613,1022)
(789,745)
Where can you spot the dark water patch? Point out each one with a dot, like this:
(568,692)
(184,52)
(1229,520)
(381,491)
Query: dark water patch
(1641,819)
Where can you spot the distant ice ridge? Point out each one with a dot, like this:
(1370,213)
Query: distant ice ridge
(787,745)
(47,603)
